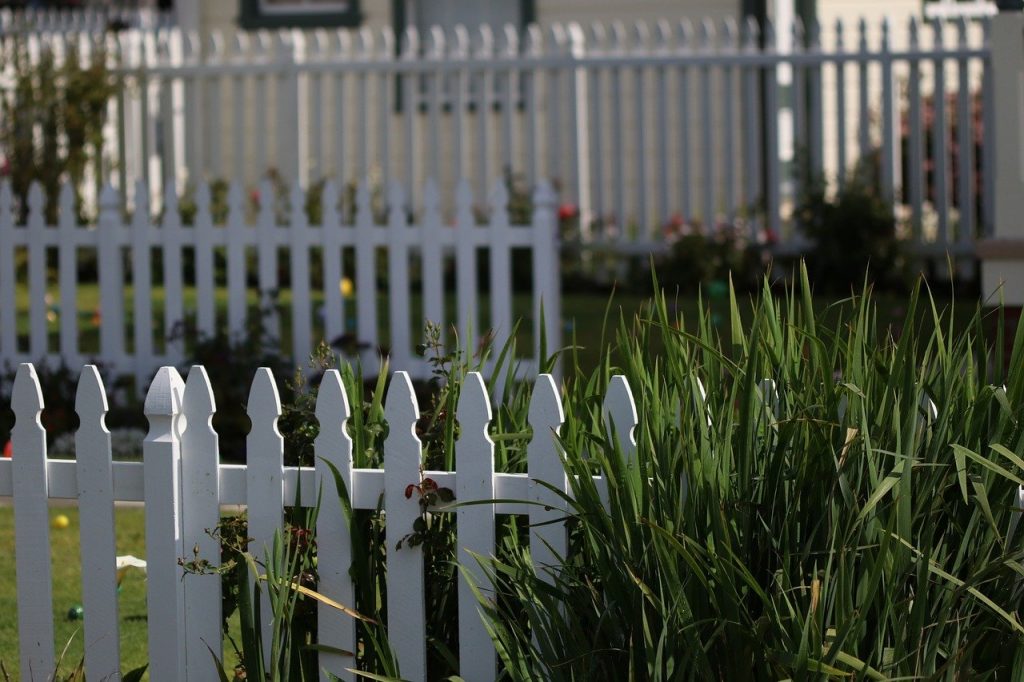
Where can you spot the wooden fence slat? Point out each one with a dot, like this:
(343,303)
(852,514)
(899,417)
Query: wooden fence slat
(334,305)
(31,528)
(621,415)
(402,459)
(266,256)
(501,264)
(366,270)
(96,528)
(264,458)
(465,267)
(237,233)
(171,243)
(334,543)
(165,595)
(474,481)
(200,481)
(433,257)
(547,311)
(111,277)
(549,541)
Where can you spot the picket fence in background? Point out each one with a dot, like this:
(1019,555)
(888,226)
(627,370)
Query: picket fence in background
(642,126)
(123,246)
(183,485)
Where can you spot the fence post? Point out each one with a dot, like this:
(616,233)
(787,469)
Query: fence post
(1002,255)
(165,591)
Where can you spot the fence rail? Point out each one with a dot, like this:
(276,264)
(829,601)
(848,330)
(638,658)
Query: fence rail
(185,268)
(185,615)
(639,126)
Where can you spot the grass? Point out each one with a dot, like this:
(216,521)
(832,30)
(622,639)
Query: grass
(67,589)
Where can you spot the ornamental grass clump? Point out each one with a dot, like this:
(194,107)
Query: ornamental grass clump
(811,497)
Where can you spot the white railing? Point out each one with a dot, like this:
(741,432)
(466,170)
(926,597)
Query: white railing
(83,19)
(183,485)
(639,126)
(51,291)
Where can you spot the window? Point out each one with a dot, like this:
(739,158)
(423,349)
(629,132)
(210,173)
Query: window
(955,9)
(299,13)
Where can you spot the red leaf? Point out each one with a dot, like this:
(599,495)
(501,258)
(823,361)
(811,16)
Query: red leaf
(408,490)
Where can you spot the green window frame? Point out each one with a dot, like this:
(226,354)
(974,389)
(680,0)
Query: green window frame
(252,15)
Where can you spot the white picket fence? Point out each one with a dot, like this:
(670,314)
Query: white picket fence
(641,126)
(182,484)
(122,245)
(82,19)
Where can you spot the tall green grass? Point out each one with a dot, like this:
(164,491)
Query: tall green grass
(811,518)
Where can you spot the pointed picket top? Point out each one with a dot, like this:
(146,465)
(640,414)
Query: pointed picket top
(236,199)
(729,33)
(364,208)
(332,405)
(366,43)
(464,204)
(484,42)
(534,40)
(961,32)
(498,201)
(641,36)
(26,396)
(706,35)
(556,32)
(66,203)
(141,217)
(163,403)
(474,409)
(620,415)
(320,44)
(510,40)
(436,43)
(938,33)
(409,48)
(750,33)
(110,200)
(814,34)
(397,216)
(171,214)
(913,36)
(199,404)
(329,202)
(90,396)
(387,43)
(36,202)
(264,404)
(400,407)
(264,44)
(239,46)
(267,199)
(431,202)
(215,46)
(343,39)
(769,35)
(190,50)
(545,412)
(297,200)
(283,45)
(460,42)
(598,37)
(839,31)
(797,34)
(663,36)
(617,38)
(862,31)
(544,196)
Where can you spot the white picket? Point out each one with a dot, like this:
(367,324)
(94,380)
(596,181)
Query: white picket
(67,274)
(8,330)
(549,540)
(366,270)
(200,459)
(621,415)
(333,447)
(266,257)
(142,281)
(432,256)
(299,242)
(500,263)
(173,239)
(398,276)
(402,460)
(165,591)
(36,271)
(334,304)
(264,457)
(474,465)
(467,312)
(31,528)
(237,236)
(96,528)
(547,312)
(111,278)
